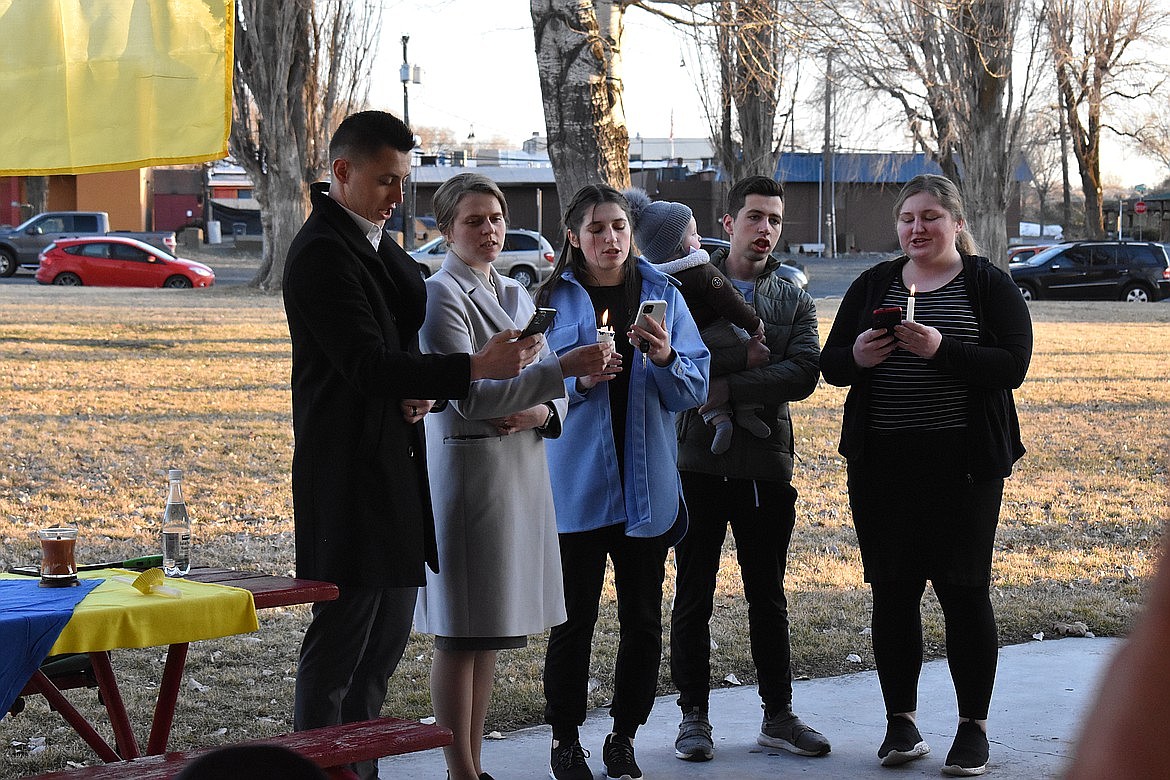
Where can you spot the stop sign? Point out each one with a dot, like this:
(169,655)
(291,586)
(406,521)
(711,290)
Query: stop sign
(1139,207)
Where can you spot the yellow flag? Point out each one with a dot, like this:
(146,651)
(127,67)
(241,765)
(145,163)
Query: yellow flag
(104,85)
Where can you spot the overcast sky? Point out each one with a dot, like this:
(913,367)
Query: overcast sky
(479,74)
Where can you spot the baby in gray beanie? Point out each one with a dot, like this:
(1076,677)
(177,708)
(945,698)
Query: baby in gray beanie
(667,236)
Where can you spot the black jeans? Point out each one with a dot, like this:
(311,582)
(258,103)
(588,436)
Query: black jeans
(639,568)
(761,515)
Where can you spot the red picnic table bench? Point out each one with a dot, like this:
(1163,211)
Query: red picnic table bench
(332,748)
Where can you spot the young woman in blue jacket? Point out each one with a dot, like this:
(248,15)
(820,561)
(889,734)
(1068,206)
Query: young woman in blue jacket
(615,483)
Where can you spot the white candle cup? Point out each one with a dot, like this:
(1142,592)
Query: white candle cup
(910,309)
(605,339)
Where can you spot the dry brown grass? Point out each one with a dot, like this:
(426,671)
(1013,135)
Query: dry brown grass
(106,389)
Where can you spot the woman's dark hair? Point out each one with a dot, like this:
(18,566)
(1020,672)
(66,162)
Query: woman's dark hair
(446,199)
(947,195)
(572,258)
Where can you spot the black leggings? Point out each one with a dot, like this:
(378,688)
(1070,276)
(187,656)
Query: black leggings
(972,643)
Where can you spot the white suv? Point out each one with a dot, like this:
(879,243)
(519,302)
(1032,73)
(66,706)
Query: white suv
(527,256)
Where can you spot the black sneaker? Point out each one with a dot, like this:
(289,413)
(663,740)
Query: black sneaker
(694,737)
(969,752)
(568,762)
(902,743)
(618,755)
(786,731)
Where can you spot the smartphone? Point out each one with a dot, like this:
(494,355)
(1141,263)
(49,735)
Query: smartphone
(541,319)
(652,310)
(655,310)
(887,318)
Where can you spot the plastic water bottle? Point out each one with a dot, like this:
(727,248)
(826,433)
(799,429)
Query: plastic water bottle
(176,529)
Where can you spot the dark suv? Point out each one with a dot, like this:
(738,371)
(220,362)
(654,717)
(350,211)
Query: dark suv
(1135,271)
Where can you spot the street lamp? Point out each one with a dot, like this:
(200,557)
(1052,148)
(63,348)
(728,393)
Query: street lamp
(407,74)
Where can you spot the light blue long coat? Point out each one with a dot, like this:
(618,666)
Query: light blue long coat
(499,560)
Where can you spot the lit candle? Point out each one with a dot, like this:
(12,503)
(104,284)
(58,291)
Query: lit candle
(605,332)
(910,305)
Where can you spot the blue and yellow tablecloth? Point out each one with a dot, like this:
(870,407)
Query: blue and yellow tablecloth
(106,614)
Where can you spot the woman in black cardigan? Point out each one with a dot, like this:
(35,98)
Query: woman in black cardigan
(929,433)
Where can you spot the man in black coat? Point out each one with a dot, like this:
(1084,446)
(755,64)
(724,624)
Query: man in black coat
(355,302)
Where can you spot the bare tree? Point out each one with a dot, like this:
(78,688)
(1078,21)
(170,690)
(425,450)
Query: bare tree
(578,56)
(1093,52)
(301,65)
(1041,148)
(949,65)
(747,54)
(434,139)
(1153,139)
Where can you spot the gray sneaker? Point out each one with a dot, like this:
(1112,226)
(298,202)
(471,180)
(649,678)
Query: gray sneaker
(694,737)
(788,732)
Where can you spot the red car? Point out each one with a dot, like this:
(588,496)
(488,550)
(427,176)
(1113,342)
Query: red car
(114,261)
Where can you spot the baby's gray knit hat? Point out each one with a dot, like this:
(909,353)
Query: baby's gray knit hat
(659,226)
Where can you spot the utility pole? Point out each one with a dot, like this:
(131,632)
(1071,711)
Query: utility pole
(408,188)
(828,192)
(1066,214)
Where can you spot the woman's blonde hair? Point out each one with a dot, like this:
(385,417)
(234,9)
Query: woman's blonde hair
(446,199)
(947,194)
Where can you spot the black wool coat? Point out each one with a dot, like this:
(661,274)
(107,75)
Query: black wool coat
(361,499)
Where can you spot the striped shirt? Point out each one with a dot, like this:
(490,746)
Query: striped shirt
(907,391)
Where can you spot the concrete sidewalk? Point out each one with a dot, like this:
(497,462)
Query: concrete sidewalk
(1041,691)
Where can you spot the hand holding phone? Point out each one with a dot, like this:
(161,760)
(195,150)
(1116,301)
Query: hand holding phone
(539,322)
(887,319)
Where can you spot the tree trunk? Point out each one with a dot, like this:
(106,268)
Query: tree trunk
(985,188)
(578,46)
(988,145)
(36,192)
(755,87)
(300,67)
(745,40)
(289,205)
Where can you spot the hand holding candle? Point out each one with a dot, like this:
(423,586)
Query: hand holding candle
(910,304)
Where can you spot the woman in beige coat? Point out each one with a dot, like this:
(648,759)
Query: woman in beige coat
(499,562)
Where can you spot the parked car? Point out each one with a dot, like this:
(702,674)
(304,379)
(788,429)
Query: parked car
(20,247)
(527,256)
(1135,271)
(789,272)
(115,261)
(1018,254)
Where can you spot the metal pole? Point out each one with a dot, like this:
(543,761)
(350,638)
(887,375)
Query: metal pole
(407,190)
(828,191)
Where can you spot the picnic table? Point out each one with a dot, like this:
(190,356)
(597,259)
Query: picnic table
(331,748)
